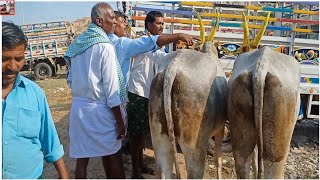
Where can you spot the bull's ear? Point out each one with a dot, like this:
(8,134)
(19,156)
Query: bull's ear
(258,38)
(246,40)
(214,30)
(202,30)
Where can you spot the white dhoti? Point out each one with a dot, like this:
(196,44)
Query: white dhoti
(92,129)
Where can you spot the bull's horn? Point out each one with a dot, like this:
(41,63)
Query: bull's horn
(202,30)
(258,38)
(246,40)
(213,32)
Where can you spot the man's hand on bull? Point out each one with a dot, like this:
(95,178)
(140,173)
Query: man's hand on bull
(186,38)
(196,37)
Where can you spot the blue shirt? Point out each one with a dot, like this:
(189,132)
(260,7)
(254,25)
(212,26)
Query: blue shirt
(28,132)
(127,48)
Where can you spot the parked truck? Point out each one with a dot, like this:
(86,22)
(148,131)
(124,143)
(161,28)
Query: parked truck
(47,44)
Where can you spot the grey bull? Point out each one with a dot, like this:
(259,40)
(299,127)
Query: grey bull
(187,105)
(197,88)
(263,104)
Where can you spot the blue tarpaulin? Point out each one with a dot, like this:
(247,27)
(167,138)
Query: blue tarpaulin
(170,2)
(312,3)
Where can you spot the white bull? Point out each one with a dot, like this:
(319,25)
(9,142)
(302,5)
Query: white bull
(263,104)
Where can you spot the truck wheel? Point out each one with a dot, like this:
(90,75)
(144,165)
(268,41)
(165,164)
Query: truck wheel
(42,71)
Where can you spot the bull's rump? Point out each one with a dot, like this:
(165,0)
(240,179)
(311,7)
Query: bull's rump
(157,119)
(278,118)
(190,107)
(197,86)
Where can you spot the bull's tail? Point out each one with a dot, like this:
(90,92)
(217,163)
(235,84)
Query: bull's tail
(258,83)
(169,77)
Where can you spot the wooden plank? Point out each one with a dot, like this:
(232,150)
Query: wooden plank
(229,6)
(225,24)
(277,9)
(254,7)
(303,30)
(306,12)
(227,15)
(199,3)
(187,3)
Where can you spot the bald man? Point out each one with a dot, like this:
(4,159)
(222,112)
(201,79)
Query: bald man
(97,117)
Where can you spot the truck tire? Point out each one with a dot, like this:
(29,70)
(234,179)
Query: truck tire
(42,71)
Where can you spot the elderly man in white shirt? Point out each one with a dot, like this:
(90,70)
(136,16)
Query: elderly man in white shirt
(97,117)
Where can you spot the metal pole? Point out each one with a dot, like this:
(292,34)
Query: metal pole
(283,5)
(192,17)
(22,12)
(214,10)
(277,23)
(171,29)
(293,34)
(309,25)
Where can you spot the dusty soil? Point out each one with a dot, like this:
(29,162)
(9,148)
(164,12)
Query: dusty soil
(303,160)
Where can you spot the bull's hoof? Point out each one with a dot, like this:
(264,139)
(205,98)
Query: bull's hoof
(148,170)
(137,176)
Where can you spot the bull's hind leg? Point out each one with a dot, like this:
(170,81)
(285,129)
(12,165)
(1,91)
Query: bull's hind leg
(240,115)
(274,170)
(281,113)
(161,144)
(195,159)
(243,150)
(254,162)
(218,137)
(164,156)
(158,128)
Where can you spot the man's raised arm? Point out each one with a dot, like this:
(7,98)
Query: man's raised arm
(165,39)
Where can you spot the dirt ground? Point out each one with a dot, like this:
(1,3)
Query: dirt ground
(303,161)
